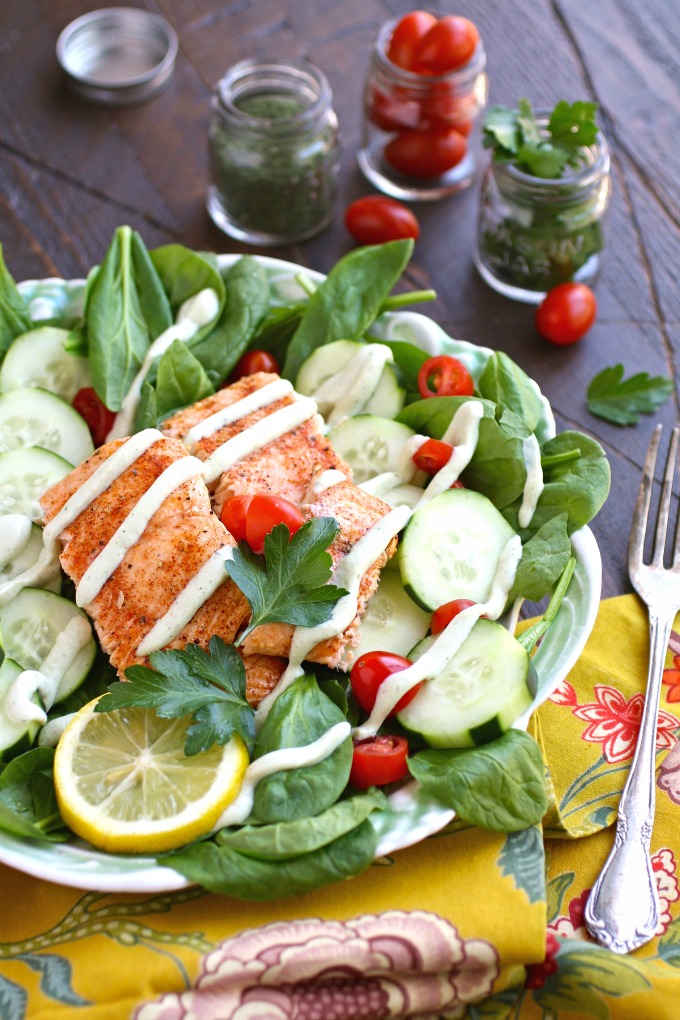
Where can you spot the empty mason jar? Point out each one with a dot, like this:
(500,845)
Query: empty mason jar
(273,151)
(421,136)
(534,233)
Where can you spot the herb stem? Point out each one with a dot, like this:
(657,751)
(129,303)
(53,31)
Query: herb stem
(413,297)
(554,459)
(531,636)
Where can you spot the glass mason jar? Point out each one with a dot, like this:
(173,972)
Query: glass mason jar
(274,152)
(421,135)
(534,233)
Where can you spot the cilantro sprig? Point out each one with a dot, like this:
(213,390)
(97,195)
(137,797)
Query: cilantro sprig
(210,686)
(515,137)
(289,584)
(622,401)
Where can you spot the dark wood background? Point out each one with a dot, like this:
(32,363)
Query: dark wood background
(71,172)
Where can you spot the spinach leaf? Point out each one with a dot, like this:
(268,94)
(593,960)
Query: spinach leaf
(146,414)
(246,287)
(126,309)
(14,316)
(349,300)
(276,331)
(432,417)
(409,359)
(290,839)
(578,485)
(183,273)
(28,804)
(225,870)
(300,715)
(509,386)
(499,786)
(497,468)
(544,557)
(181,380)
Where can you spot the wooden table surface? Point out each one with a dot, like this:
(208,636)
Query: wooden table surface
(71,172)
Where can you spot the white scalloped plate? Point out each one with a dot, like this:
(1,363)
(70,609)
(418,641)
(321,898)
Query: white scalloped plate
(411,816)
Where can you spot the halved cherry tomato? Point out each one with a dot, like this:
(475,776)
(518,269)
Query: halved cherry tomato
(432,456)
(264,513)
(252,362)
(444,376)
(448,45)
(95,412)
(370,671)
(378,761)
(233,516)
(442,617)
(566,313)
(406,36)
(426,153)
(376,218)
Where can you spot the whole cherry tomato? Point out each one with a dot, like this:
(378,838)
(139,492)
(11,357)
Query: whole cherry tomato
(369,672)
(444,376)
(264,513)
(389,112)
(95,412)
(252,362)
(426,153)
(566,313)
(432,456)
(447,45)
(378,761)
(375,218)
(442,617)
(233,516)
(406,36)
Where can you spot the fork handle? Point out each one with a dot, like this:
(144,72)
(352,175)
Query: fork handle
(622,911)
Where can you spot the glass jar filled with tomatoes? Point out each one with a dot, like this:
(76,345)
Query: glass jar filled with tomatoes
(424,94)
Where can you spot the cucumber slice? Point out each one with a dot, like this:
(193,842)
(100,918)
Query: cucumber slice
(388,397)
(392,622)
(370,444)
(25,541)
(450,548)
(38,358)
(34,417)
(15,738)
(29,626)
(478,694)
(25,475)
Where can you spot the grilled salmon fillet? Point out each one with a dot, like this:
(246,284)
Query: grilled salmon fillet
(283,467)
(179,538)
(356,512)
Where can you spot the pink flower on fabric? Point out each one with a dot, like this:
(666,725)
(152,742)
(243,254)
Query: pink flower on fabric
(669,774)
(382,967)
(663,863)
(564,694)
(615,722)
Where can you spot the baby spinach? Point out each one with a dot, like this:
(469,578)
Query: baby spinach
(126,309)
(300,715)
(28,805)
(183,273)
(497,468)
(544,557)
(221,869)
(504,382)
(349,300)
(14,315)
(181,380)
(432,417)
(499,786)
(284,840)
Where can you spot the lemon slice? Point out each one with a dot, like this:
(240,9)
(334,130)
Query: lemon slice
(124,784)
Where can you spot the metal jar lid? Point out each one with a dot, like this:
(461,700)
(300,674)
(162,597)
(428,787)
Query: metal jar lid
(118,56)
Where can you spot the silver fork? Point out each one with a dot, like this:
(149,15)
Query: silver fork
(623,908)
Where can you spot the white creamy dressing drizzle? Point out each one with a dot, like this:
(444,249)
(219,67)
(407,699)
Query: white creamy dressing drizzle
(132,528)
(262,397)
(195,312)
(533,484)
(15,534)
(347,392)
(20,708)
(278,761)
(447,644)
(324,480)
(462,434)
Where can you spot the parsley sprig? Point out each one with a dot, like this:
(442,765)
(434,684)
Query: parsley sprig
(514,136)
(289,584)
(211,687)
(622,401)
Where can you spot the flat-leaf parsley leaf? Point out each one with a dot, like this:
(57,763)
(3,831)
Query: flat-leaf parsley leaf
(622,401)
(290,583)
(209,686)
(514,137)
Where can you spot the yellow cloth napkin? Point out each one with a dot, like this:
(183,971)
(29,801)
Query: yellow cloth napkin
(453,927)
